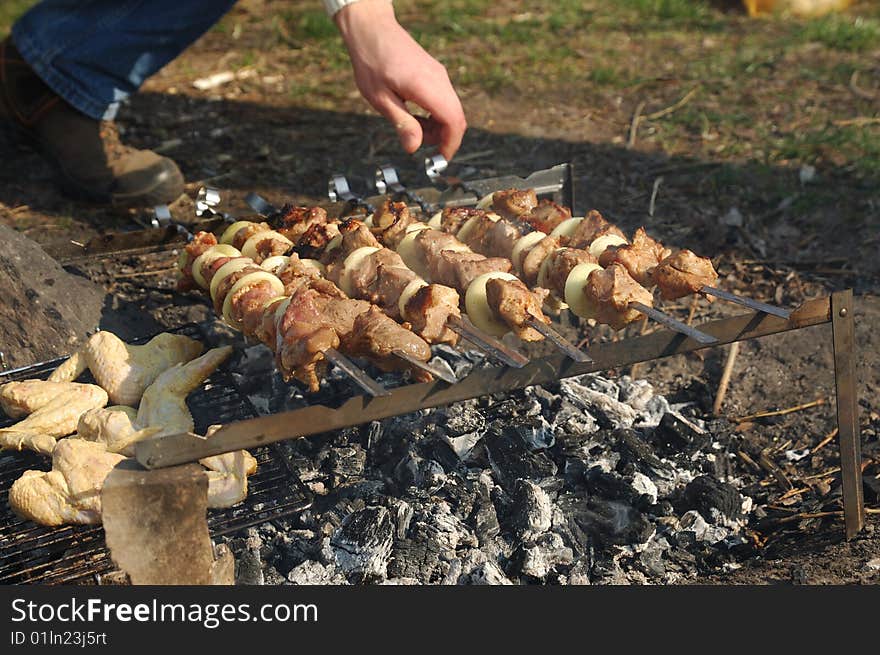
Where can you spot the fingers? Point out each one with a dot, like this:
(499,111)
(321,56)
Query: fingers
(409,129)
(446,125)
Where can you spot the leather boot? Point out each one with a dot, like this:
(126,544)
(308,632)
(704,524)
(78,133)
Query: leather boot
(92,163)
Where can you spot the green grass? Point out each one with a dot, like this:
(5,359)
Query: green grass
(315,25)
(844,33)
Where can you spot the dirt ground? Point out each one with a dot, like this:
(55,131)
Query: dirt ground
(757,142)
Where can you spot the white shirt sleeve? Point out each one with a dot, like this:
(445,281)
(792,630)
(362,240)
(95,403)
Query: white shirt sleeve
(332,6)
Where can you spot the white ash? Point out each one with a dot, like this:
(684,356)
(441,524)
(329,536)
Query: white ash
(586,481)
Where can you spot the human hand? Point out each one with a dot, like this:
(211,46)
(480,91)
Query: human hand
(390,68)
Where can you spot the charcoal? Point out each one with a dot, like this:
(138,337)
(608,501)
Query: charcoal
(607,571)
(504,410)
(612,486)
(535,433)
(484,518)
(315,573)
(675,434)
(644,486)
(579,573)
(401,582)
(512,460)
(636,451)
(249,568)
(459,493)
(413,471)
(463,445)
(566,525)
(403,514)
(462,418)
(532,510)
(635,393)
(487,573)
(362,544)
(611,522)
(650,562)
(416,559)
(348,461)
(598,383)
(692,523)
(453,573)
(609,412)
(436,525)
(706,493)
(539,559)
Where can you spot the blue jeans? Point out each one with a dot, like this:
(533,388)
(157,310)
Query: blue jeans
(95,53)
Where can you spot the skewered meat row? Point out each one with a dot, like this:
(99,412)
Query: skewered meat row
(426,296)
(496,301)
(298,314)
(542,263)
(356,261)
(649,262)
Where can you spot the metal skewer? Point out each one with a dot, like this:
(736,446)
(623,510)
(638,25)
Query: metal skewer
(756,305)
(338,189)
(387,181)
(559,341)
(260,205)
(673,324)
(435,371)
(500,351)
(356,373)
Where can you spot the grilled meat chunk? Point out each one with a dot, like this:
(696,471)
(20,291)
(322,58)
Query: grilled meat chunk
(562,261)
(303,333)
(639,257)
(500,239)
(513,203)
(534,257)
(513,303)
(200,243)
(228,282)
(355,234)
(452,219)
(391,220)
(458,269)
(546,216)
(588,230)
(296,221)
(313,243)
(376,336)
(430,309)
(246,232)
(611,291)
(682,274)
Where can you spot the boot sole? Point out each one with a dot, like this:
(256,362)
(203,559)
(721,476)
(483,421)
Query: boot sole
(73,189)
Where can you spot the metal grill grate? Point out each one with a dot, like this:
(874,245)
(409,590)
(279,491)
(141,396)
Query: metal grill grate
(31,553)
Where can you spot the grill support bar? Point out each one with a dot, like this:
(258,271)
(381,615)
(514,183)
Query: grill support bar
(843,330)
(182,448)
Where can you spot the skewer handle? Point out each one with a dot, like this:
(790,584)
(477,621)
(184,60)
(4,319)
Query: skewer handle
(356,373)
(756,305)
(674,324)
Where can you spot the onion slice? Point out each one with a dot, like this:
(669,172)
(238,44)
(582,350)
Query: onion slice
(477,304)
(575,284)
(249,280)
(208,257)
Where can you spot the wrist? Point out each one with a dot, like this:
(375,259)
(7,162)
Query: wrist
(361,13)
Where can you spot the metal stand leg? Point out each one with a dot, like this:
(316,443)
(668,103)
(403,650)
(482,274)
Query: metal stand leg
(843,330)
